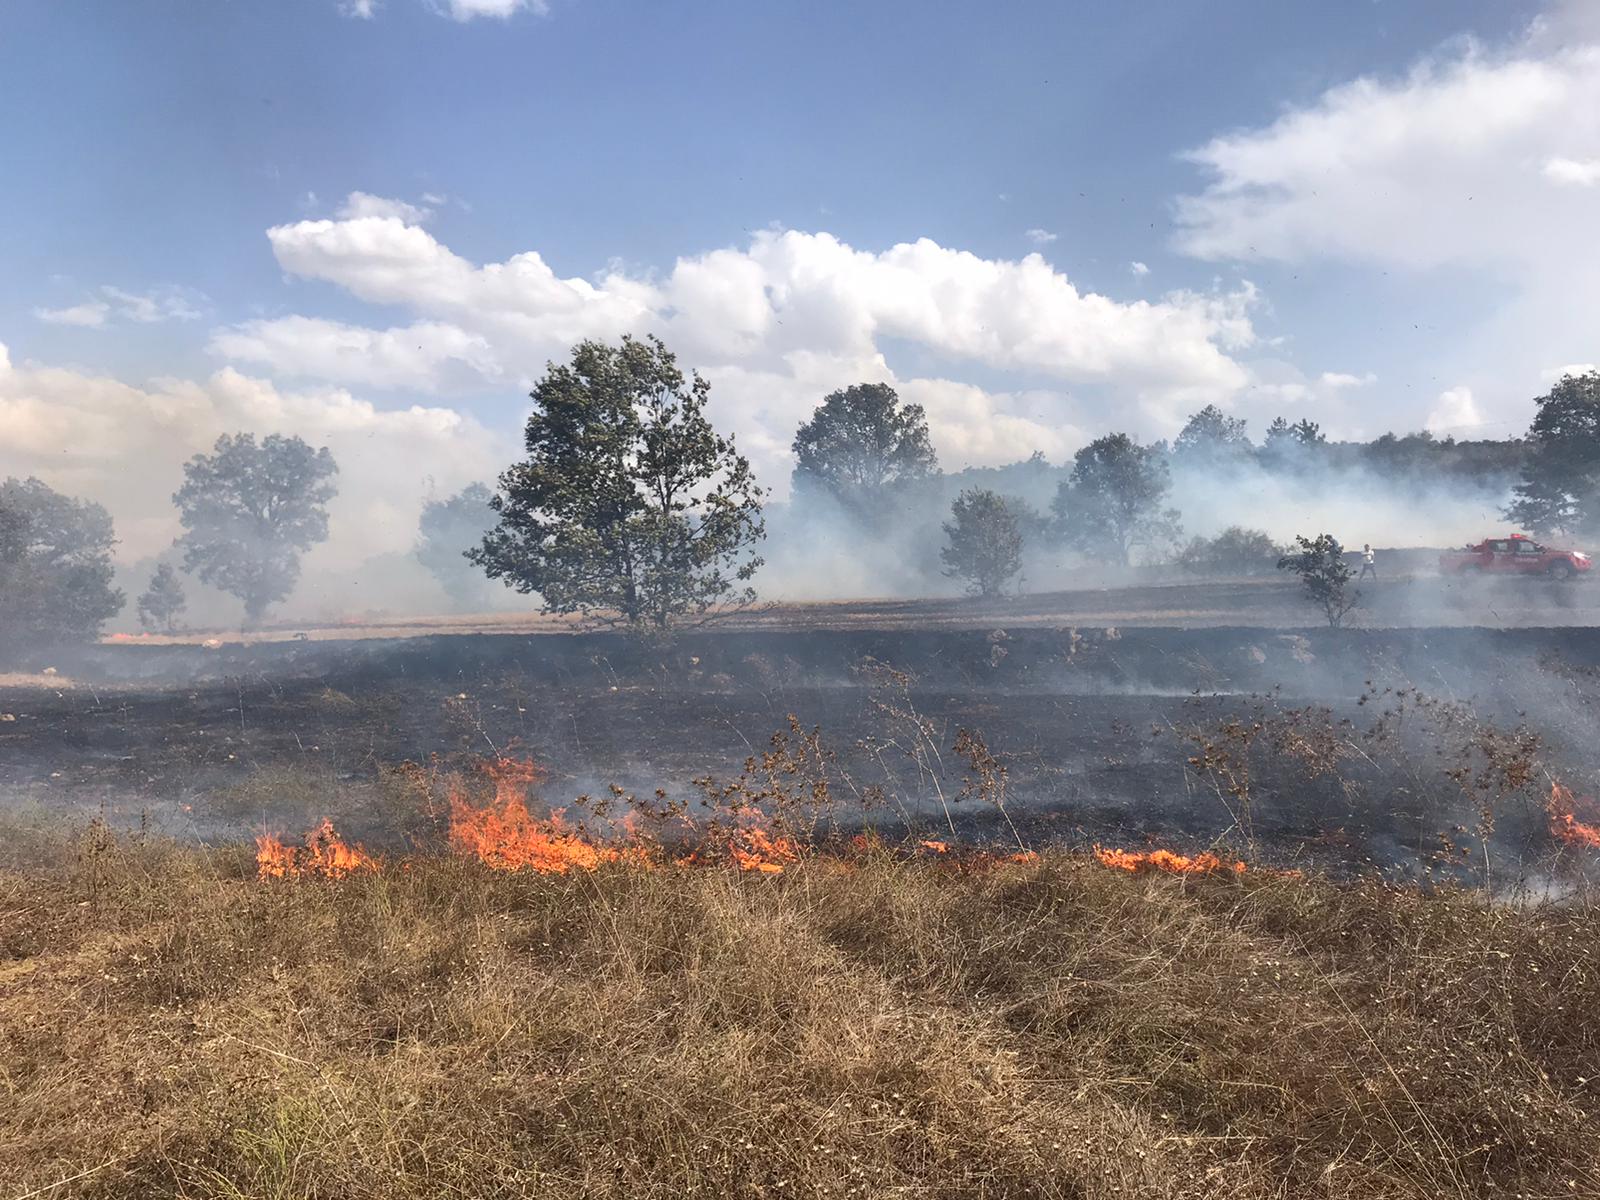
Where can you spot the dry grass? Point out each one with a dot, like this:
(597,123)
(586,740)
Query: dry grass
(171,1026)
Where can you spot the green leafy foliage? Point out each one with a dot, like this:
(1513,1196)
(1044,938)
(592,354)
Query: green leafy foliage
(984,541)
(1234,551)
(163,602)
(1289,446)
(55,567)
(250,510)
(860,443)
(629,507)
(1560,488)
(1320,563)
(1212,437)
(1114,501)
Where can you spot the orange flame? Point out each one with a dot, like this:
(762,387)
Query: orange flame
(324,854)
(1564,823)
(1165,860)
(505,836)
(754,849)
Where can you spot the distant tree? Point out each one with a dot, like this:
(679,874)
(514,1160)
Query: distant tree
(1287,444)
(1545,507)
(1560,488)
(983,541)
(1113,502)
(448,531)
(629,507)
(55,567)
(1409,455)
(861,442)
(1308,433)
(1234,551)
(1211,436)
(1320,563)
(249,511)
(163,601)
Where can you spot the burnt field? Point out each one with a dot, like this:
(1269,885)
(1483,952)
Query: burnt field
(1409,594)
(1405,749)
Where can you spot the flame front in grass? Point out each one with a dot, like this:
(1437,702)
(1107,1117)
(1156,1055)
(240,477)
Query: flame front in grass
(505,836)
(755,849)
(1564,823)
(1165,860)
(274,860)
(325,853)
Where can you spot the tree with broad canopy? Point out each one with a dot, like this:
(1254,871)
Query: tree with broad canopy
(249,510)
(629,508)
(984,541)
(861,442)
(55,567)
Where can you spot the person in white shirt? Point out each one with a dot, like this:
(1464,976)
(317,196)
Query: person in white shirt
(1368,563)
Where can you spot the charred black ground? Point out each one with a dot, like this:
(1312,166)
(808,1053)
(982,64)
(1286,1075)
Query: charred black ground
(1098,727)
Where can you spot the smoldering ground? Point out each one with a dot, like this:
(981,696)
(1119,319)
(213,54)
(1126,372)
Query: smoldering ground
(1348,749)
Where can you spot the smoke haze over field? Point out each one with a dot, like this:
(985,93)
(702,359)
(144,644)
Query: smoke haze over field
(397,310)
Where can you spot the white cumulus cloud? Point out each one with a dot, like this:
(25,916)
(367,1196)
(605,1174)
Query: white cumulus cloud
(145,308)
(425,356)
(1138,268)
(1568,170)
(779,321)
(459,10)
(1555,374)
(1450,166)
(467,10)
(1041,237)
(91,314)
(1342,379)
(1455,412)
(363,204)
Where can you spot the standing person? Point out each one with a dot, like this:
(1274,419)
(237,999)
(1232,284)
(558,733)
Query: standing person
(1368,563)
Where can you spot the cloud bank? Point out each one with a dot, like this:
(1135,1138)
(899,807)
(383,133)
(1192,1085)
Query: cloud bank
(1480,163)
(775,324)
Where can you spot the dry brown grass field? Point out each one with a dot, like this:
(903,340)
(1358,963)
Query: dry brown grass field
(864,1024)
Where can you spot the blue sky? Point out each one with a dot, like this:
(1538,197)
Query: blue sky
(738,176)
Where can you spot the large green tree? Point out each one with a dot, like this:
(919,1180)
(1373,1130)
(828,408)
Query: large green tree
(1114,502)
(1560,488)
(1210,437)
(983,541)
(55,566)
(250,510)
(860,443)
(629,507)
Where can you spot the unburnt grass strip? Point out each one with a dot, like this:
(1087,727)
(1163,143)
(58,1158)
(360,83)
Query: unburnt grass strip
(889,1025)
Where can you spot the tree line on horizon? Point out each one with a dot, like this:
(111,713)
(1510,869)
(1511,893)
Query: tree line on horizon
(630,509)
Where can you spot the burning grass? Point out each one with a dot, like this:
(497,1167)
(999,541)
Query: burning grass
(1565,825)
(1165,860)
(884,1023)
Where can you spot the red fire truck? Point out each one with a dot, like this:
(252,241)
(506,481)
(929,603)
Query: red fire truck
(1515,554)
